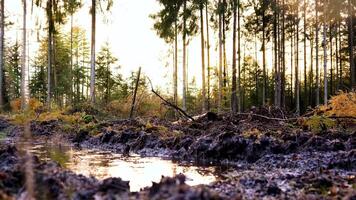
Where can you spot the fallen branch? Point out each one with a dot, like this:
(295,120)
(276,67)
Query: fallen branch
(169,103)
(342,117)
(265,117)
(135,93)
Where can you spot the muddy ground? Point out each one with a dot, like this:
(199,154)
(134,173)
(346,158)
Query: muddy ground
(263,157)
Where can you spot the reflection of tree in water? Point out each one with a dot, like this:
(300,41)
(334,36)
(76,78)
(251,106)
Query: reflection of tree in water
(101,164)
(59,154)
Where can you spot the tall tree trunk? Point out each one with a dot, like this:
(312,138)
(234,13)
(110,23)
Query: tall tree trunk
(50,50)
(311,72)
(71,58)
(275,42)
(2,66)
(208,53)
(239,106)
(220,63)
(234,88)
(224,27)
(175,70)
(305,55)
(325,61)
(341,82)
(291,67)
(351,45)
(317,54)
(297,84)
(331,92)
(202,57)
(54,67)
(184,57)
(283,46)
(92,59)
(24,83)
(337,56)
(264,90)
(280,56)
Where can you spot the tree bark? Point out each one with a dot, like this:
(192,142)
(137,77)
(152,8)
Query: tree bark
(208,54)
(317,54)
(24,97)
(264,91)
(175,70)
(203,58)
(351,45)
(331,92)
(71,57)
(135,93)
(220,63)
(325,62)
(239,56)
(2,66)
(184,107)
(305,55)
(92,60)
(297,84)
(234,92)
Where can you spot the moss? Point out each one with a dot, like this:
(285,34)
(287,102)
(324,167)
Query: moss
(88,118)
(3,135)
(318,124)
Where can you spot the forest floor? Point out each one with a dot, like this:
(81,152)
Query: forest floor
(264,154)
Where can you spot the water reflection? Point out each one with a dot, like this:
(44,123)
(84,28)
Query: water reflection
(141,172)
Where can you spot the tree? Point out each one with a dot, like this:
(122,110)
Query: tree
(351,43)
(208,53)
(234,81)
(13,71)
(201,5)
(166,25)
(220,95)
(73,5)
(109,4)
(317,52)
(2,63)
(325,58)
(56,12)
(24,76)
(104,76)
(92,54)
(260,21)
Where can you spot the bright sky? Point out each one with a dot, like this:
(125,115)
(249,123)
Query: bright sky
(129,31)
(130,35)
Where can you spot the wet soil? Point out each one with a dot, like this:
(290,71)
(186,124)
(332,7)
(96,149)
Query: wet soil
(263,157)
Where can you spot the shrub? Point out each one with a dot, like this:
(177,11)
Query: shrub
(34,104)
(342,105)
(317,124)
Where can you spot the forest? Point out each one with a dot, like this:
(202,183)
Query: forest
(252,99)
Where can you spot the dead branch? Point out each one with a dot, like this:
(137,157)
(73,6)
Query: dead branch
(169,103)
(265,117)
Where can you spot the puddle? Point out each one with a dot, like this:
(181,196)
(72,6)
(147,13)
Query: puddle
(141,172)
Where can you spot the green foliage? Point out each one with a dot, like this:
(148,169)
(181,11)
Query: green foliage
(12,71)
(61,70)
(105,81)
(88,118)
(317,124)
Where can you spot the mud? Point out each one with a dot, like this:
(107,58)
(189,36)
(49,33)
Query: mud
(263,158)
(53,182)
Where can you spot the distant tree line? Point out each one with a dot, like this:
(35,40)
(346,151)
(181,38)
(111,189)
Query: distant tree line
(292,54)
(307,50)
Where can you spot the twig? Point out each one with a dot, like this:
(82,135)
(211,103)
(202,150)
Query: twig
(135,93)
(342,117)
(265,117)
(169,103)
